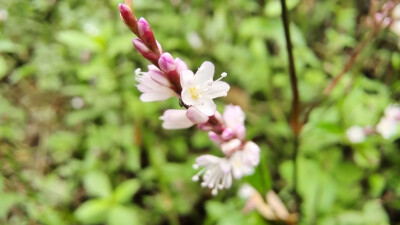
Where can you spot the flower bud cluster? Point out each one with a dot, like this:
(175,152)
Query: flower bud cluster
(170,77)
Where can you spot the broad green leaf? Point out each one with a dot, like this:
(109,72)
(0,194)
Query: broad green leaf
(124,192)
(123,215)
(93,211)
(97,184)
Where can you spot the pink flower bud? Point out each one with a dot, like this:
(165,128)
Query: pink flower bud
(129,18)
(143,50)
(147,35)
(196,116)
(205,127)
(167,62)
(231,146)
(240,131)
(227,134)
(175,119)
(215,137)
(140,46)
(181,65)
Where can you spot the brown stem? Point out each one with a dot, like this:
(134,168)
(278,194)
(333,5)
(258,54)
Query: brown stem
(294,118)
(295,123)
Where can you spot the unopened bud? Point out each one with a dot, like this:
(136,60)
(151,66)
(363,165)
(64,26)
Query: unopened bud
(129,18)
(227,134)
(146,52)
(147,35)
(240,131)
(167,63)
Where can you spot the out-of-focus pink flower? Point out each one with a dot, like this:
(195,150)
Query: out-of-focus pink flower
(234,120)
(355,134)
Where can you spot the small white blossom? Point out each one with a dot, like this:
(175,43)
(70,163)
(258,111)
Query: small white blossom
(199,90)
(387,127)
(392,112)
(153,85)
(216,172)
(355,134)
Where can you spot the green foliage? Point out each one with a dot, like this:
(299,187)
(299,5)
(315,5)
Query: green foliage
(77,146)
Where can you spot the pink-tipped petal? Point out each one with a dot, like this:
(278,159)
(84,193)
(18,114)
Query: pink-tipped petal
(196,116)
(167,62)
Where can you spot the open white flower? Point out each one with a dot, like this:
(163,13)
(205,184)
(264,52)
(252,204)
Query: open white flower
(199,90)
(387,127)
(216,172)
(153,85)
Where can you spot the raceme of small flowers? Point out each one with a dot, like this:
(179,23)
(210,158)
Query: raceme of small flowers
(387,127)
(169,77)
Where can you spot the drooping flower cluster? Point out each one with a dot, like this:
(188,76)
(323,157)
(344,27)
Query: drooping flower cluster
(387,127)
(168,77)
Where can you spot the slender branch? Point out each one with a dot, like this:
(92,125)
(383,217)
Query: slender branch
(295,123)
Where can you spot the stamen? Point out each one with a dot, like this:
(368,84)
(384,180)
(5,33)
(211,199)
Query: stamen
(214,191)
(195,166)
(195,178)
(138,72)
(224,74)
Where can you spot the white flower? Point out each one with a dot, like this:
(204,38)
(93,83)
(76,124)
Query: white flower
(216,172)
(153,85)
(387,127)
(355,134)
(392,112)
(244,161)
(199,90)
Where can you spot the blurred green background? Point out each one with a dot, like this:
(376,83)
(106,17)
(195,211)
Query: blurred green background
(77,146)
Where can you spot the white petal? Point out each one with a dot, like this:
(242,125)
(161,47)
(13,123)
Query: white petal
(204,73)
(187,97)
(217,89)
(207,160)
(187,77)
(196,116)
(156,96)
(251,154)
(159,77)
(207,107)
(175,119)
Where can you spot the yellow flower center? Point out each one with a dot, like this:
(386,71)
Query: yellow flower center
(194,92)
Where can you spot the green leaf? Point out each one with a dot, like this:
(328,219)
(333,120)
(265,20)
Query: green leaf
(97,184)
(124,192)
(93,211)
(78,40)
(122,215)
